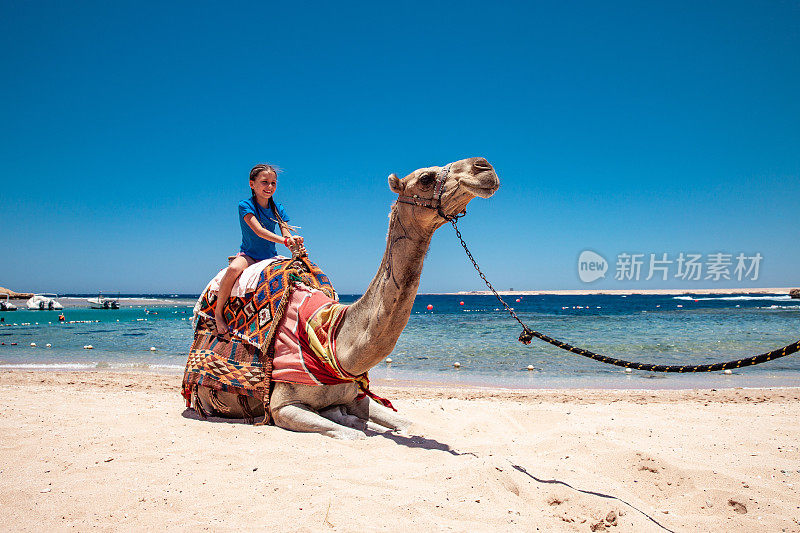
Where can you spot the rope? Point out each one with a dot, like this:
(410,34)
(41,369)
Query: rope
(528,334)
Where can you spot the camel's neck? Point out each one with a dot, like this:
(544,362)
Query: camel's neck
(373,324)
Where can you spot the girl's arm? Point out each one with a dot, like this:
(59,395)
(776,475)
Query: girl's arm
(259,230)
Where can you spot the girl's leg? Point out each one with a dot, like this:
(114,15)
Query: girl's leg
(235,270)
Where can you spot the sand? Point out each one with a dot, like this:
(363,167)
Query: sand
(101,450)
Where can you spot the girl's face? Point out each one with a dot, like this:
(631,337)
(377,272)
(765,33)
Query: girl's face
(264,185)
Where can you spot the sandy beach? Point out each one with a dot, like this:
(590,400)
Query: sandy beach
(108,451)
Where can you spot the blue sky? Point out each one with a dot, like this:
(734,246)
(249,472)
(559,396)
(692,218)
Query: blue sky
(128,130)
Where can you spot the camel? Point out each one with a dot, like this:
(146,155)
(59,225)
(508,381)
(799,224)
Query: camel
(372,325)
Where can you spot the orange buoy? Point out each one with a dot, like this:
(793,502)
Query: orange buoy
(429,307)
(460,303)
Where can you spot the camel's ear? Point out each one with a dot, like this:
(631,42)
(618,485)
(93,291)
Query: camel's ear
(395,184)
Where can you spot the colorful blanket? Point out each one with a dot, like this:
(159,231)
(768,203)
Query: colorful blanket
(244,365)
(254,317)
(248,280)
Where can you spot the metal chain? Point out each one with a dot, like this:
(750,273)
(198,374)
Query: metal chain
(454,222)
(528,334)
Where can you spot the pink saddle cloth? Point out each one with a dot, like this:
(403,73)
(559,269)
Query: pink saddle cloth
(305,343)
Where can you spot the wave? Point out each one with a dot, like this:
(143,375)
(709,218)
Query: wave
(772,298)
(89,366)
(149,298)
(152,299)
(145,366)
(48,366)
(168,367)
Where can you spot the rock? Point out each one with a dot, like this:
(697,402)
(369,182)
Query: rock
(739,507)
(15,295)
(795,293)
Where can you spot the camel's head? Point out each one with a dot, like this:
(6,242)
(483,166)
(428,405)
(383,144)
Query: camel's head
(436,194)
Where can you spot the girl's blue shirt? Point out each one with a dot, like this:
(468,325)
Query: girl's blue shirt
(253,245)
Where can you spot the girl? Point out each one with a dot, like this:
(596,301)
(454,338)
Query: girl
(257,217)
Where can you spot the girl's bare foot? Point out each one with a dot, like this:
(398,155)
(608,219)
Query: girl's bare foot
(222,327)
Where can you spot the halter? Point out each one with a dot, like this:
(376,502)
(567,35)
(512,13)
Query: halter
(435,202)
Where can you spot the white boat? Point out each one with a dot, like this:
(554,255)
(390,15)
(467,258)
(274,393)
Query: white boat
(103,303)
(7,305)
(44,302)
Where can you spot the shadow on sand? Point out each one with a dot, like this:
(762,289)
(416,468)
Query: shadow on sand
(415,441)
(191,414)
(410,441)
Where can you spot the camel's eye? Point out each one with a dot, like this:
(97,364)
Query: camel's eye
(427,179)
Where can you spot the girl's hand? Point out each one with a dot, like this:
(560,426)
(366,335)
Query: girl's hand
(293,240)
(295,244)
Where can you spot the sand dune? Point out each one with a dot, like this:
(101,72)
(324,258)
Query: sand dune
(98,450)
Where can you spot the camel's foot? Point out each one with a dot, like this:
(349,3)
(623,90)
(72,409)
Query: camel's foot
(404,431)
(352,434)
(339,415)
(300,417)
(381,416)
(377,428)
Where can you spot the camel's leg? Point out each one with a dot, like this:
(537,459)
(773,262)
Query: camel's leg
(368,409)
(338,414)
(300,417)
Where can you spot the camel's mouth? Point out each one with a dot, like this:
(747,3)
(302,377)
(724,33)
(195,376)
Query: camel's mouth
(484,186)
(480,192)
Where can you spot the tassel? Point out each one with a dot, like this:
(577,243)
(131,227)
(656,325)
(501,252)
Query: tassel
(217,405)
(198,406)
(249,416)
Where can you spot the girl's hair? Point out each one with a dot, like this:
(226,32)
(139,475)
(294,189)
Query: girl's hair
(261,167)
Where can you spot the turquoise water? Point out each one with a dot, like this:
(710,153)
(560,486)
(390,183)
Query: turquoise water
(120,339)
(478,335)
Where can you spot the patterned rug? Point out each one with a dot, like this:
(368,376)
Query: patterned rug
(253,319)
(243,365)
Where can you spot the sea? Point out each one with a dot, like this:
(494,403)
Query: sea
(153,333)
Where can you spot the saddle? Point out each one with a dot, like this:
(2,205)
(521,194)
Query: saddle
(243,365)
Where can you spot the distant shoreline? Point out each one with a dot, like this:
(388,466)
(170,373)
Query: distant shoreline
(159,299)
(621,292)
(75,302)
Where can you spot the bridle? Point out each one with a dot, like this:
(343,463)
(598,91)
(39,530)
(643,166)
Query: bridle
(435,202)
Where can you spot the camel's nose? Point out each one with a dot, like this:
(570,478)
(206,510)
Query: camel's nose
(480,164)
